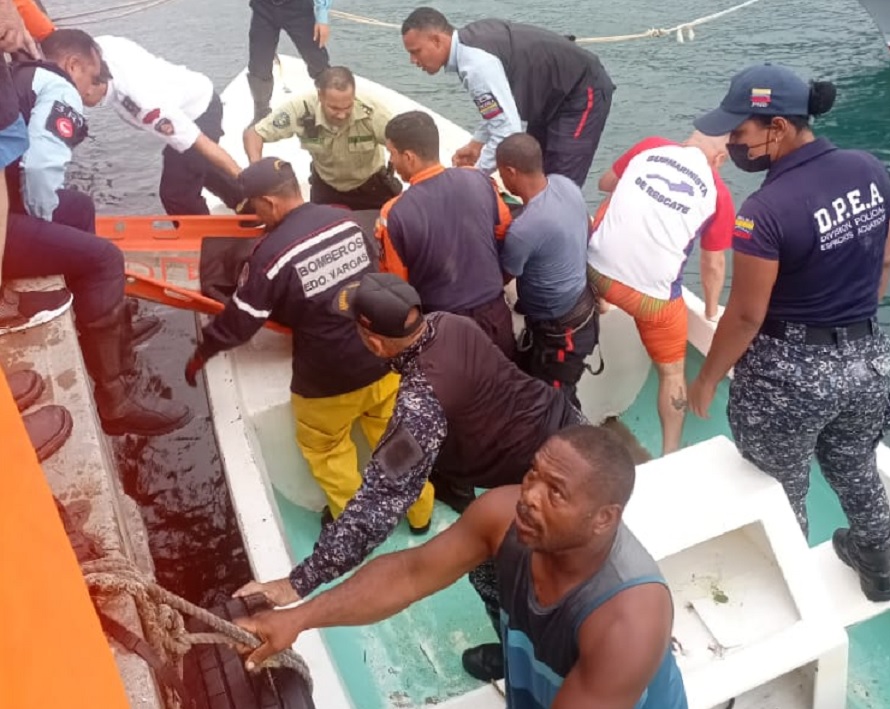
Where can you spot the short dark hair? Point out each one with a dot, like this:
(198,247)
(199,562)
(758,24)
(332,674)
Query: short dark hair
(338,78)
(426,18)
(610,467)
(415,131)
(67,42)
(521,152)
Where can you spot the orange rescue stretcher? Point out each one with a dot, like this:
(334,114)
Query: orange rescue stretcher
(180,235)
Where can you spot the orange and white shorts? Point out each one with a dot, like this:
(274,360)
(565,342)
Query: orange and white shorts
(662,324)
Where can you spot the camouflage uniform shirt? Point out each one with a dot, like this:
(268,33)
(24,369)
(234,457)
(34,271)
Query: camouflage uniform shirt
(391,482)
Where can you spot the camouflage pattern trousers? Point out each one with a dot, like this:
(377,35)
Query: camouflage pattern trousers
(789,401)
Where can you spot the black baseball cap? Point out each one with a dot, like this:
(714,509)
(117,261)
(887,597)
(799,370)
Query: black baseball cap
(762,90)
(265,177)
(380,302)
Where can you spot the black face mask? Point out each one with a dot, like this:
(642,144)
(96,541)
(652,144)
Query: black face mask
(738,153)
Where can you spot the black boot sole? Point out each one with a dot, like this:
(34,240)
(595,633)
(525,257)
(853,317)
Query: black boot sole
(420,531)
(30,397)
(57,441)
(119,427)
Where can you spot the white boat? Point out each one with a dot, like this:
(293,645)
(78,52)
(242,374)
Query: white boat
(760,617)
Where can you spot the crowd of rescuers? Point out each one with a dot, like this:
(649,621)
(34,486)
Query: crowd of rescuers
(54,74)
(404,328)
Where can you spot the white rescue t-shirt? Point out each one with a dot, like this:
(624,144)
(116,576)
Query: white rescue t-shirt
(152,94)
(667,196)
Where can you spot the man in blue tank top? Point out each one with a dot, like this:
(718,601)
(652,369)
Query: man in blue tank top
(586,615)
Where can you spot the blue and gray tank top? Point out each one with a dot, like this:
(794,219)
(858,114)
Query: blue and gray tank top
(541,643)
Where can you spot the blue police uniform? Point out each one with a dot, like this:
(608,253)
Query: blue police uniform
(51,230)
(298,19)
(516,72)
(816,378)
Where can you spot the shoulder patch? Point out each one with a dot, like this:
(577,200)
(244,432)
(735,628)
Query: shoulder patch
(66,124)
(151,116)
(281,120)
(130,106)
(743,227)
(398,453)
(165,127)
(488,106)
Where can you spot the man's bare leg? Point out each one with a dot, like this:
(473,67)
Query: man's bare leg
(671,403)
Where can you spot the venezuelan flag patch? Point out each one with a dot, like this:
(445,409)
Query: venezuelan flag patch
(488,106)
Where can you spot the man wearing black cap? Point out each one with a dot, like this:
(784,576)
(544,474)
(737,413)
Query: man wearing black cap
(463,409)
(309,253)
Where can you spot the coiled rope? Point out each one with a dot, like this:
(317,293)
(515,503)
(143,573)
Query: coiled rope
(161,614)
(683,31)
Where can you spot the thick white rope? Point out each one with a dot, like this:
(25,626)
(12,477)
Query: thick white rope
(678,30)
(683,31)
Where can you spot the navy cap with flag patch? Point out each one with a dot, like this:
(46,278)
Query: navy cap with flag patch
(764,90)
(381,303)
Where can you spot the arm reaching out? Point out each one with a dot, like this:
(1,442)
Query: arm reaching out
(217,155)
(392,582)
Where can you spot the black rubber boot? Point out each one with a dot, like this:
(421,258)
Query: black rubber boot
(872,565)
(143,328)
(136,331)
(261,90)
(484,662)
(456,495)
(107,347)
(26,386)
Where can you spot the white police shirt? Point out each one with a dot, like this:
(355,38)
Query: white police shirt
(153,94)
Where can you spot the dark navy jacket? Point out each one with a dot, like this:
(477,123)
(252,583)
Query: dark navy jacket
(292,277)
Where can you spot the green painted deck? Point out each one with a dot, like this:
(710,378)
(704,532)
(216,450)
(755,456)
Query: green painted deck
(413,659)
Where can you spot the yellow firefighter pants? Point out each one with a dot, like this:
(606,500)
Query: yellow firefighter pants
(323,433)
